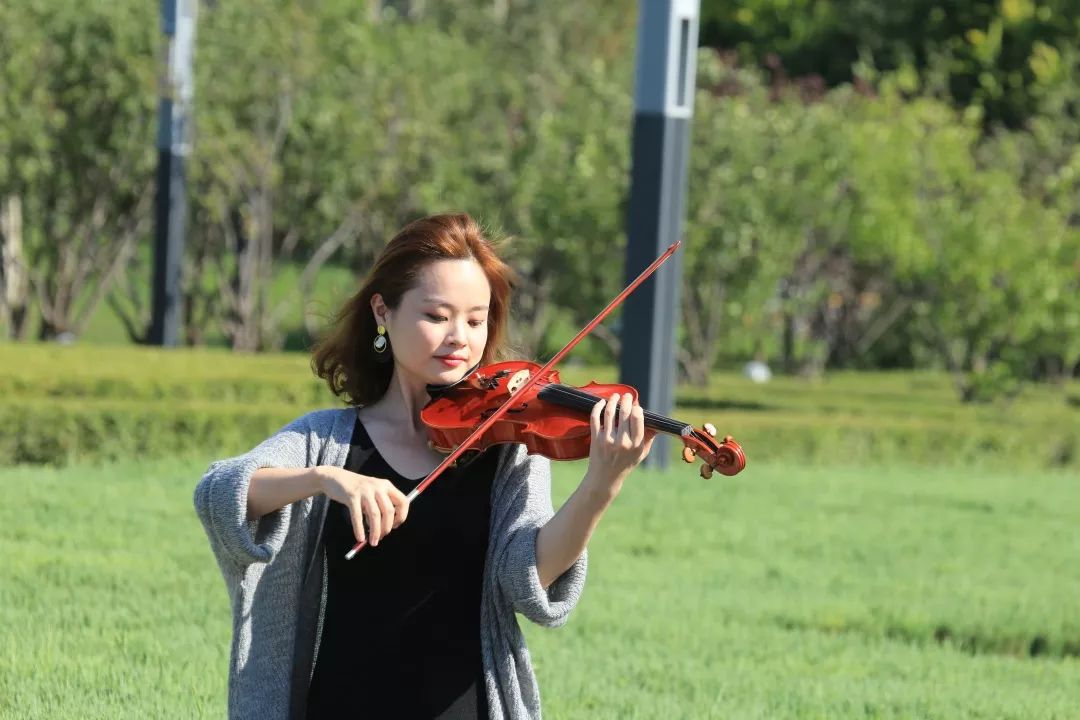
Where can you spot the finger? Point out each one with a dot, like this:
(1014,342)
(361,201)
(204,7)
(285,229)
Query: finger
(609,417)
(357,514)
(625,408)
(647,446)
(387,509)
(401,504)
(374,519)
(638,422)
(594,418)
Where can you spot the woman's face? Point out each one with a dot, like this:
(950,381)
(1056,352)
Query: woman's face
(439,330)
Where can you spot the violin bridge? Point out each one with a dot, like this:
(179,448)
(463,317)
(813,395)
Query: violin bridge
(519,378)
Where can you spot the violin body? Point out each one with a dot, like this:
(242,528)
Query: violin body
(549,418)
(453,415)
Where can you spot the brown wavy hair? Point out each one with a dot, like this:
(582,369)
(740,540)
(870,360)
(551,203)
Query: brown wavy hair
(344,356)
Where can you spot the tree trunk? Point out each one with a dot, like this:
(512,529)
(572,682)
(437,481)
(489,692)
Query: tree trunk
(14,283)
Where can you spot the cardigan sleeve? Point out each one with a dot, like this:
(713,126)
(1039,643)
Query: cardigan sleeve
(221,497)
(524,508)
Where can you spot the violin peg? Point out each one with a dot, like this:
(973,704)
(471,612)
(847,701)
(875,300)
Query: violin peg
(706,471)
(728,439)
(711,429)
(688,454)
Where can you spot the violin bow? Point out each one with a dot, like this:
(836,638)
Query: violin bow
(508,403)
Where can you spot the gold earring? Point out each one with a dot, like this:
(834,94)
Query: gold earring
(380,339)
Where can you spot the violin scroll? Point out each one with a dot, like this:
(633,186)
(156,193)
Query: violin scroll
(726,457)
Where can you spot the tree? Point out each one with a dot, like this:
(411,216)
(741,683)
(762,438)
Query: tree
(78,152)
(981,262)
(996,55)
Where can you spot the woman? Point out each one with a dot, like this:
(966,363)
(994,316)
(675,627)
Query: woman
(420,624)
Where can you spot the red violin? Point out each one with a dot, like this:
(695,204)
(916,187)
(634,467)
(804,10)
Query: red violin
(552,419)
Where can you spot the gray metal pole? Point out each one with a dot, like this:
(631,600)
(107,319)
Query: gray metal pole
(663,105)
(174,144)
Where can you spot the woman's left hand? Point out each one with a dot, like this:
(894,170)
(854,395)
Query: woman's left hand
(619,441)
(618,444)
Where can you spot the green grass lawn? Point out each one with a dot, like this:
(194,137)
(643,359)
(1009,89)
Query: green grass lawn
(785,592)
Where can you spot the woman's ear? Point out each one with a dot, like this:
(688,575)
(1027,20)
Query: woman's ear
(378,309)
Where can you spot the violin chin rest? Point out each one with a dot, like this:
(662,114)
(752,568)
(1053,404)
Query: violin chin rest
(436,390)
(432,446)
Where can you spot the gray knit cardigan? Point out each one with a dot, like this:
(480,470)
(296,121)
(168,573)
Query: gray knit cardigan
(274,571)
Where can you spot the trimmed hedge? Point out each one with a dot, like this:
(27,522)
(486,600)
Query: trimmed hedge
(64,404)
(234,390)
(156,374)
(60,432)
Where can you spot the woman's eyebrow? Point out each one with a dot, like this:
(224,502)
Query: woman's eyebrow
(443,303)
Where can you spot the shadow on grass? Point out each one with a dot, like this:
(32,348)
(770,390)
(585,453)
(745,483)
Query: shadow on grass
(1023,647)
(705,403)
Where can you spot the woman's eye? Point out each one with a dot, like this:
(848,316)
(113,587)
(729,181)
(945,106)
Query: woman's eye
(436,318)
(477,323)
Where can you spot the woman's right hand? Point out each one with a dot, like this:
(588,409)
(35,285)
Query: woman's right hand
(375,500)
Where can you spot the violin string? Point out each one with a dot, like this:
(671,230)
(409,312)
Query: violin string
(584,401)
(659,422)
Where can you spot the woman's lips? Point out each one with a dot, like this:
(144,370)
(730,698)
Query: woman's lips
(451,361)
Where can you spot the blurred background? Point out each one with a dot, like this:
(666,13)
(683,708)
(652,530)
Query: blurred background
(880,301)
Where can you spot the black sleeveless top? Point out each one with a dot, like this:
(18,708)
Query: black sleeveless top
(401,633)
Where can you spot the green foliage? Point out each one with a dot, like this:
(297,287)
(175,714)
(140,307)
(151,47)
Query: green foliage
(1046,161)
(811,593)
(830,220)
(76,144)
(765,184)
(332,118)
(981,261)
(542,153)
(865,226)
(999,56)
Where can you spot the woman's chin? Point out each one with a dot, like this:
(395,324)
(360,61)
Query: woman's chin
(446,375)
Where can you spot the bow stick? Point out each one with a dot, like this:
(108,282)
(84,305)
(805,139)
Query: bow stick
(467,442)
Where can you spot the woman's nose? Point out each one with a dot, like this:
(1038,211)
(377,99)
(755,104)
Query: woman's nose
(457,334)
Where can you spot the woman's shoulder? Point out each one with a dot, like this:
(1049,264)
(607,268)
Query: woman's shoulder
(515,460)
(323,426)
(325,420)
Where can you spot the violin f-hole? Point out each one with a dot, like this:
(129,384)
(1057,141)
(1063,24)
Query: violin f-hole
(491,411)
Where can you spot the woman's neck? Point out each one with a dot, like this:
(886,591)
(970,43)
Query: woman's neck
(405,397)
